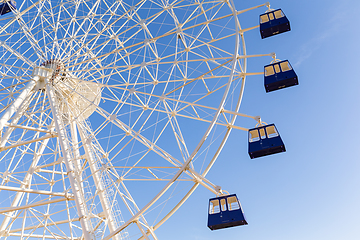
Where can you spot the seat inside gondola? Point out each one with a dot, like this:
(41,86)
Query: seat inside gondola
(273,23)
(225,212)
(265,140)
(279,75)
(5,6)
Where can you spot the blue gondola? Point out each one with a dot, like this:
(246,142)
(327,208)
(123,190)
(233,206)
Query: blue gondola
(273,23)
(224,212)
(5,6)
(279,75)
(265,140)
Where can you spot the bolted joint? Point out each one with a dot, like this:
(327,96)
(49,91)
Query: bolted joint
(218,190)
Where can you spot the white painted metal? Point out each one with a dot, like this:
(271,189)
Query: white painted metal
(129,101)
(14,121)
(72,172)
(104,199)
(17,103)
(26,183)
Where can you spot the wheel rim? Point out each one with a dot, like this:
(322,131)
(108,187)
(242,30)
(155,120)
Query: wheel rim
(136,97)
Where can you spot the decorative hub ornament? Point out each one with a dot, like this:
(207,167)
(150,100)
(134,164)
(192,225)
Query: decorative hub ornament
(57,67)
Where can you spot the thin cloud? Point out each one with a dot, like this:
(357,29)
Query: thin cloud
(333,25)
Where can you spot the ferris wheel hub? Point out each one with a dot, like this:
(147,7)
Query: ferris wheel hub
(48,71)
(74,95)
(55,64)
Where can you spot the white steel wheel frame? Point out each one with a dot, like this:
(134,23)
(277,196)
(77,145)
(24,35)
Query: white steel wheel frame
(110,105)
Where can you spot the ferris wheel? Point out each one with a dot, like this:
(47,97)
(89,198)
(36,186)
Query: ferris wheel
(114,111)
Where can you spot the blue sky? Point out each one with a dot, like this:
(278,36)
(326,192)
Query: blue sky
(311,191)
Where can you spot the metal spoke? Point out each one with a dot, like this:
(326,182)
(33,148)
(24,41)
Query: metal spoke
(113,112)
